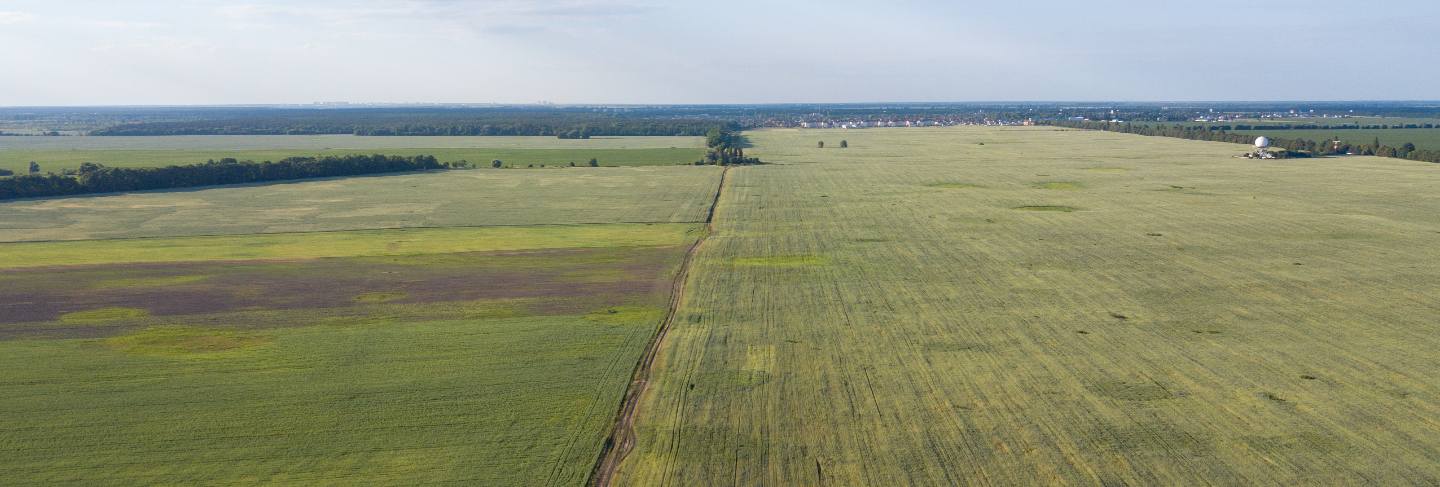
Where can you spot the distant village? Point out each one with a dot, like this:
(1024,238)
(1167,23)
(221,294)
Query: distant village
(858,123)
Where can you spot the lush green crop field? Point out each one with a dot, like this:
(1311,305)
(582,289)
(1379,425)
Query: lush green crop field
(486,339)
(341,244)
(429,364)
(1422,138)
(327,142)
(1052,307)
(57,153)
(19,161)
(441,199)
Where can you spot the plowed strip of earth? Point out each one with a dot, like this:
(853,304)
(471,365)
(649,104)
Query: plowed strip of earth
(622,436)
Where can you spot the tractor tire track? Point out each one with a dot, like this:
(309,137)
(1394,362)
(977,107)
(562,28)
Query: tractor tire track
(622,435)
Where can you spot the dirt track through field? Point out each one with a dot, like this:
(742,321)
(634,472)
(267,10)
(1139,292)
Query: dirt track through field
(622,434)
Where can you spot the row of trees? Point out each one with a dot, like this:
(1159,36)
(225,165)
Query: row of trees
(726,148)
(1315,126)
(422,122)
(96,178)
(1295,147)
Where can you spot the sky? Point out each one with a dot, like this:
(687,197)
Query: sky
(173,52)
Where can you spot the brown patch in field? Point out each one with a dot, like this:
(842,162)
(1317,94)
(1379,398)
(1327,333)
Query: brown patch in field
(550,281)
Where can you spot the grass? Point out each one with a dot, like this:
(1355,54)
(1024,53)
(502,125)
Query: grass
(287,334)
(454,198)
(955,340)
(185,341)
(57,153)
(430,364)
(504,401)
(1060,185)
(953,185)
(782,261)
(56,160)
(332,244)
(1422,138)
(329,142)
(1054,208)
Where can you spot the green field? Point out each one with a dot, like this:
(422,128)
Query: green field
(441,199)
(1422,138)
(417,365)
(946,306)
(487,341)
(57,153)
(897,313)
(445,240)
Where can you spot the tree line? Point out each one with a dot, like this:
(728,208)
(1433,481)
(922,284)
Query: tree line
(1295,147)
(97,178)
(423,122)
(725,147)
(1319,126)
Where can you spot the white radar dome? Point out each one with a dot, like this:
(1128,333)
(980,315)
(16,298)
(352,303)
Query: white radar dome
(1262,142)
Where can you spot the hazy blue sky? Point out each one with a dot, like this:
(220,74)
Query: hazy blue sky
(635,51)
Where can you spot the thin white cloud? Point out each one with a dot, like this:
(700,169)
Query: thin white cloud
(649,51)
(11,17)
(489,12)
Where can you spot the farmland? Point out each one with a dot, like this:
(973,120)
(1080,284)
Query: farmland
(930,306)
(58,153)
(1422,138)
(1032,306)
(443,199)
(484,339)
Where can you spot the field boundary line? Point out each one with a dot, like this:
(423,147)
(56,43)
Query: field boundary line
(621,439)
(377,229)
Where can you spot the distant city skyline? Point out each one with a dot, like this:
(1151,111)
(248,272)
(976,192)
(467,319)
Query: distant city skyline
(742,52)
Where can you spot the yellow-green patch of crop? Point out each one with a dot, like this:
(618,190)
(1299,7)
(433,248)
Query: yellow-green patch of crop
(422,400)
(782,261)
(185,341)
(1025,330)
(482,197)
(1048,208)
(101,315)
(57,160)
(626,315)
(342,244)
(1058,185)
(954,185)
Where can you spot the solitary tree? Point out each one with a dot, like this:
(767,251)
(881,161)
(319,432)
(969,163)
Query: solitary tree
(820,145)
(496,164)
(34,167)
(594,162)
(844,144)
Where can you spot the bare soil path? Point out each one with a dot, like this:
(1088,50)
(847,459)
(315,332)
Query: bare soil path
(622,434)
